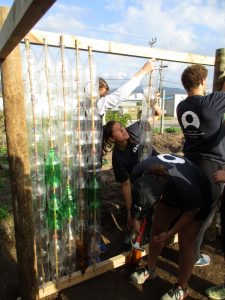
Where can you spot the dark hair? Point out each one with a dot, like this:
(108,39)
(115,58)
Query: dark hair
(193,75)
(107,134)
(145,193)
(103,84)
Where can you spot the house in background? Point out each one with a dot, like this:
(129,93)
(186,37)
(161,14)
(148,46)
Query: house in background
(131,105)
(171,102)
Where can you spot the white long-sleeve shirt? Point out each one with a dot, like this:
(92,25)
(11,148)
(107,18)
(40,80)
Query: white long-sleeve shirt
(112,100)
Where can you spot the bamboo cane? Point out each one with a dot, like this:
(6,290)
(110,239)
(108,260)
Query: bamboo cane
(83,235)
(93,151)
(48,93)
(66,141)
(27,47)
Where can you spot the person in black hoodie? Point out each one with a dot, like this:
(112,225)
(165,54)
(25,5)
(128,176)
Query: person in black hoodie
(126,153)
(181,195)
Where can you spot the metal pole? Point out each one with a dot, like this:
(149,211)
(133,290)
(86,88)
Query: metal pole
(162,115)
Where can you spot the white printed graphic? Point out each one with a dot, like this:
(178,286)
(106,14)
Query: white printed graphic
(195,122)
(136,148)
(171,159)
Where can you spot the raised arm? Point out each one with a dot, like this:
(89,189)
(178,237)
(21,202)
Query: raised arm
(148,67)
(112,100)
(157,113)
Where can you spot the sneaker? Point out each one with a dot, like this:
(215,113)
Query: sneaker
(203,261)
(175,293)
(141,275)
(127,243)
(216,292)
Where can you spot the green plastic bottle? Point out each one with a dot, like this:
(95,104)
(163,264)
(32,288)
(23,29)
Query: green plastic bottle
(52,167)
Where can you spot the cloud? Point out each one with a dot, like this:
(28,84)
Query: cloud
(201,13)
(115,5)
(190,25)
(195,26)
(63,19)
(140,24)
(186,25)
(205,19)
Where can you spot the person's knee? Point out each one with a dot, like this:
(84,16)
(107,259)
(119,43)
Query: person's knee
(158,227)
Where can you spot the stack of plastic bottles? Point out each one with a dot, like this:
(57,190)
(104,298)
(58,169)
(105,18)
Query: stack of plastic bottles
(65,133)
(150,88)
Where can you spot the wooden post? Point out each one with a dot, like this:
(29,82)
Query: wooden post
(17,143)
(218,80)
(219,70)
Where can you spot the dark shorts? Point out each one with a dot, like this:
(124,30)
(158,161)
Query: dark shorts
(209,168)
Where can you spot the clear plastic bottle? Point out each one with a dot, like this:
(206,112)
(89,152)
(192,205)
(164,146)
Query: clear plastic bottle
(151,85)
(42,241)
(94,200)
(38,195)
(94,140)
(49,96)
(91,80)
(37,167)
(82,233)
(69,212)
(150,89)
(94,244)
(80,126)
(56,255)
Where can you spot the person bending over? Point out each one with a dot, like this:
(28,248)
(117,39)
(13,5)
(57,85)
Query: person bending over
(181,195)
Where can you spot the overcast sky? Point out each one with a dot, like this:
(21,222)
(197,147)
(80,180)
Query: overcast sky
(195,26)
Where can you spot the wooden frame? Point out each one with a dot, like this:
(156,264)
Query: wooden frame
(23,15)
(101,46)
(16,24)
(102,267)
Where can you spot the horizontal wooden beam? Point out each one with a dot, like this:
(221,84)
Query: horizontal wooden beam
(52,39)
(23,15)
(102,267)
(77,277)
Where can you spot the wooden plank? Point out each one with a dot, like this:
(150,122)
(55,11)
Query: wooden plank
(23,15)
(77,277)
(18,157)
(36,37)
(104,266)
(219,70)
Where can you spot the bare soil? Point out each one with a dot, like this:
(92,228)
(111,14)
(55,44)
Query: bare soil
(115,284)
